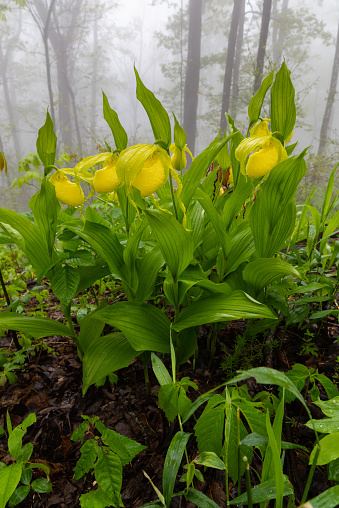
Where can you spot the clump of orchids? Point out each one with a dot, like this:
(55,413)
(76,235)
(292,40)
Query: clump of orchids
(144,167)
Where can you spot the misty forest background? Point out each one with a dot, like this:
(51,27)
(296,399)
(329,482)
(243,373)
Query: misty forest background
(200,57)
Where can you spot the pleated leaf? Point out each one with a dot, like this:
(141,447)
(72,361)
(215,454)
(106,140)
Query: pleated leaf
(262,272)
(105,243)
(174,241)
(255,105)
(197,171)
(283,111)
(104,356)
(156,113)
(145,326)
(28,238)
(45,207)
(111,117)
(65,282)
(46,142)
(38,327)
(219,307)
(272,217)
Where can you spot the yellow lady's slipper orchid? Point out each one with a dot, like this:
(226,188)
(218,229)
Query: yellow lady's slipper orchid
(151,177)
(178,158)
(268,152)
(144,167)
(260,163)
(66,191)
(106,179)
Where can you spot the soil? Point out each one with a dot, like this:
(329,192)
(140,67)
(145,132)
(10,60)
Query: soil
(50,386)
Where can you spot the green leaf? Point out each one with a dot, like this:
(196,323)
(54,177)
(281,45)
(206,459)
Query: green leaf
(200,499)
(329,189)
(45,206)
(26,475)
(265,375)
(105,243)
(108,472)
(46,142)
(147,268)
(90,329)
(64,281)
(329,407)
(197,171)
(175,242)
(328,499)
(209,459)
(272,217)
(38,327)
(157,115)
(19,495)
(209,428)
(325,425)
(172,462)
(89,451)
(146,327)
(9,479)
(160,371)
(173,400)
(28,238)
(283,112)
(255,105)
(25,453)
(96,499)
(264,492)
(123,446)
(262,272)
(329,449)
(105,355)
(218,307)
(41,485)
(111,117)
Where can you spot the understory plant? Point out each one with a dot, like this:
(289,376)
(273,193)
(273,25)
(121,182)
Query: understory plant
(16,477)
(206,244)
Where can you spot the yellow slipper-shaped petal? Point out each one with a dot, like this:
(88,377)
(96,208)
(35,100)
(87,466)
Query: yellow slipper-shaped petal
(66,191)
(106,179)
(151,177)
(262,162)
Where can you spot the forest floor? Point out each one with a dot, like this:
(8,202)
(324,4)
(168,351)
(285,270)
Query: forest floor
(50,386)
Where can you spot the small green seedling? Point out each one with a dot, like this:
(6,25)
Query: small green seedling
(105,454)
(16,478)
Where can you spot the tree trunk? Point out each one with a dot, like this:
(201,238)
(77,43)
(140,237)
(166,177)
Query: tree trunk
(265,20)
(4,64)
(330,101)
(278,30)
(192,72)
(237,60)
(94,81)
(232,39)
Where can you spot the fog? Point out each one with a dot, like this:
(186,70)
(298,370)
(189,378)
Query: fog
(93,45)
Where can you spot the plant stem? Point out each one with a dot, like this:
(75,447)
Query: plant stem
(248,483)
(310,475)
(8,301)
(172,193)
